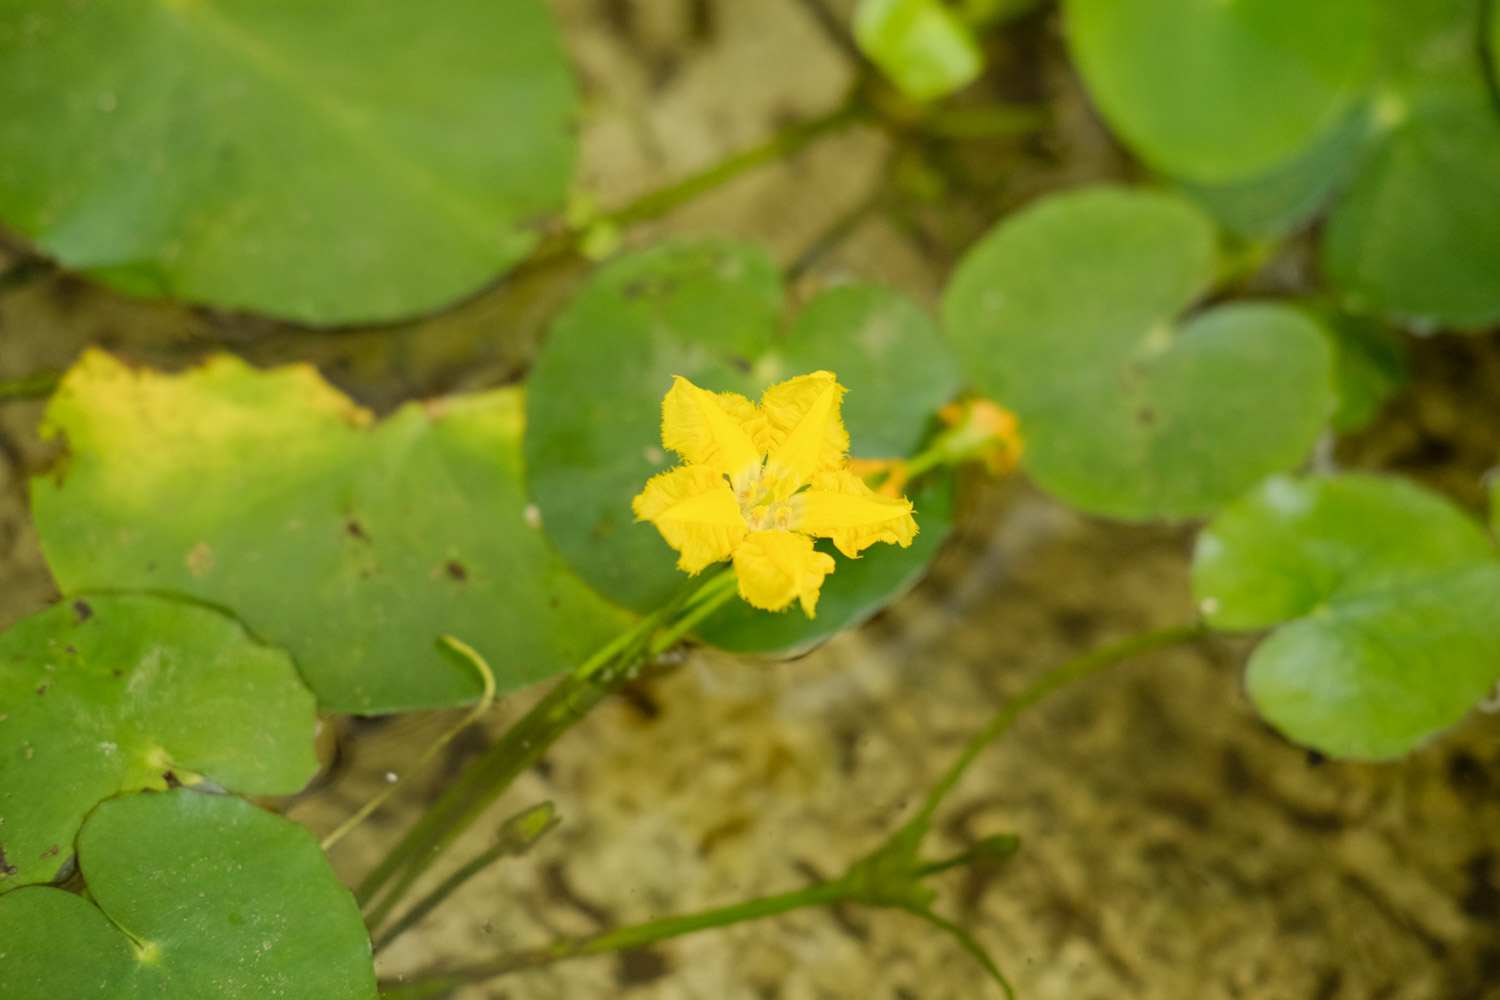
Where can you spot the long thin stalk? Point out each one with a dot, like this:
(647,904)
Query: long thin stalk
(1060,677)
(569,700)
(635,936)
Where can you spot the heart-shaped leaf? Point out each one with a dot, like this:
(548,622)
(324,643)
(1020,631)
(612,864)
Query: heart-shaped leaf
(107,693)
(311,160)
(1385,601)
(353,544)
(1064,313)
(1218,92)
(709,311)
(198,896)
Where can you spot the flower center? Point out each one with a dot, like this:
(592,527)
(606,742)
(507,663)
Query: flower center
(754,490)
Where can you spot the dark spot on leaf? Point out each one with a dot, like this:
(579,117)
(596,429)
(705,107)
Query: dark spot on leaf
(151,566)
(356,530)
(634,289)
(1316,759)
(41,689)
(236,919)
(51,852)
(639,966)
(71,651)
(6,870)
(1146,415)
(83,611)
(456,570)
(603,528)
(118,673)
(741,365)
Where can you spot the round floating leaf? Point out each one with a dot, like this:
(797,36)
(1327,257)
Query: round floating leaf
(1218,92)
(1064,314)
(198,896)
(1384,600)
(355,546)
(317,161)
(922,45)
(1418,233)
(708,311)
(106,694)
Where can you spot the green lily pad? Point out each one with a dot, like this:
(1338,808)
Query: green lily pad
(1383,598)
(1218,92)
(1418,233)
(925,48)
(354,545)
(198,896)
(709,311)
(1065,314)
(308,160)
(108,693)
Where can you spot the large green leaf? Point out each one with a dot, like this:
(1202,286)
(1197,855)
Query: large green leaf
(1385,601)
(709,311)
(1217,92)
(327,161)
(1065,314)
(107,693)
(354,546)
(198,896)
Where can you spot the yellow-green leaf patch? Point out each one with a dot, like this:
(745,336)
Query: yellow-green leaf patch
(354,544)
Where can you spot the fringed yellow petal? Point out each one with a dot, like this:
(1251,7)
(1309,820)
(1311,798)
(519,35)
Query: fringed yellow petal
(777,567)
(801,430)
(695,511)
(839,506)
(707,428)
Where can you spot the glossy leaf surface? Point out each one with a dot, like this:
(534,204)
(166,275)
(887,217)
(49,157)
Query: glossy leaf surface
(108,693)
(198,896)
(328,162)
(1382,597)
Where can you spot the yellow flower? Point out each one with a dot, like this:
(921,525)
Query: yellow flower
(760,483)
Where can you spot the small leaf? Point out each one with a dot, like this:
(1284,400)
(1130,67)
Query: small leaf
(1064,313)
(353,544)
(198,896)
(1220,92)
(925,49)
(709,311)
(1383,601)
(105,694)
(307,160)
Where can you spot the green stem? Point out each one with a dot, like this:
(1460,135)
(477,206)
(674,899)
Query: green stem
(782,144)
(569,700)
(36,385)
(516,837)
(1060,677)
(970,945)
(622,938)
